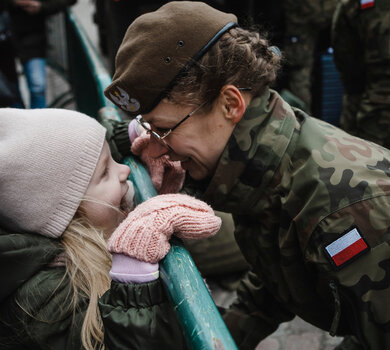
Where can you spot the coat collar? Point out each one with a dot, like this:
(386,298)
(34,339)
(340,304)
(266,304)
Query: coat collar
(252,154)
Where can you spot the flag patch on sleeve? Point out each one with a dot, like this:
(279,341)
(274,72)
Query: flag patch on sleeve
(346,248)
(364,4)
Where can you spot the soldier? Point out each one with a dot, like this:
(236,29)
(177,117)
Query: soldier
(305,23)
(310,202)
(360,38)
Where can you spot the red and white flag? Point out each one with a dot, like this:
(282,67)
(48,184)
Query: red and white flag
(346,247)
(364,4)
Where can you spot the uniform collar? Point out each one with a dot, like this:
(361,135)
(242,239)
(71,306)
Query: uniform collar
(252,154)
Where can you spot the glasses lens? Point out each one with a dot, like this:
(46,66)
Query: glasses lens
(155,135)
(146,126)
(160,140)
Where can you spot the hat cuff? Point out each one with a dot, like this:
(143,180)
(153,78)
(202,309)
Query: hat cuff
(77,185)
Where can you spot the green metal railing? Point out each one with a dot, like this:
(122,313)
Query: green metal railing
(196,311)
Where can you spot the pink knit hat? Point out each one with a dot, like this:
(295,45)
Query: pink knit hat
(47,158)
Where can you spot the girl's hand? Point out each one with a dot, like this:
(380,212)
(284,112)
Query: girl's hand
(145,233)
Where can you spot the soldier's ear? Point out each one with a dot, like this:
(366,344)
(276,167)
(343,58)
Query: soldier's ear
(233,102)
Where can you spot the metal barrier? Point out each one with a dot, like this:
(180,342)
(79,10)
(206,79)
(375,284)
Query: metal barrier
(196,311)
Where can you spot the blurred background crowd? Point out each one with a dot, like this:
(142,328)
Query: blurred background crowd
(336,67)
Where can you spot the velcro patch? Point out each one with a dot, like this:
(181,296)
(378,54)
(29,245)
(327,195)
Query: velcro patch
(365,4)
(346,248)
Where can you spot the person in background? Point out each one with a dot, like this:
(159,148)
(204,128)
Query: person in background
(310,202)
(360,38)
(307,24)
(68,226)
(9,87)
(28,20)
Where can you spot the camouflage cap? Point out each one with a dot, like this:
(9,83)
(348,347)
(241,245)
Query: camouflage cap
(161,46)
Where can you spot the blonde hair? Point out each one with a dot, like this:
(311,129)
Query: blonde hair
(87,263)
(240,57)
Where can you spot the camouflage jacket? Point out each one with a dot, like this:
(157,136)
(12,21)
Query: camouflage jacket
(299,190)
(304,13)
(361,42)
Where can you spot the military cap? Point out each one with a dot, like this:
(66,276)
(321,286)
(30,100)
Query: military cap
(161,46)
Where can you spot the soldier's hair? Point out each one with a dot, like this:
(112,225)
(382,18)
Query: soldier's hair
(240,57)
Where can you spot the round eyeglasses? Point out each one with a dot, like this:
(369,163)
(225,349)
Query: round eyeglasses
(156,135)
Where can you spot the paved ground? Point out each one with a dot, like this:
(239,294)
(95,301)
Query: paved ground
(294,335)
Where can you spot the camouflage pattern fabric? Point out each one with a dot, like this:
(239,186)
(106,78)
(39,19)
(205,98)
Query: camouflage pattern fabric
(117,137)
(361,42)
(294,185)
(219,256)
(304,21)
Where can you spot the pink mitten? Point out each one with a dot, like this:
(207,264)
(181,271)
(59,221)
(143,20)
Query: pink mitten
(167,176)
(145,233)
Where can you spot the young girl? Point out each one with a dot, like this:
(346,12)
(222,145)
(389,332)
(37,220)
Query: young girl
(61,197)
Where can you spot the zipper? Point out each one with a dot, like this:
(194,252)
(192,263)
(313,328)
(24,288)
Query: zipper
(337,313)
(337,308)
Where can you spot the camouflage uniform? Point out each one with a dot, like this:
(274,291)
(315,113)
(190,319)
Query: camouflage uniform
(304,22)
(361,41)
(295,185)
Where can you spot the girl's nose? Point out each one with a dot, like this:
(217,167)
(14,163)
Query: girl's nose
(124,172)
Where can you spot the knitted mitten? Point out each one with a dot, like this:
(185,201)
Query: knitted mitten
(145,233)
(167,176)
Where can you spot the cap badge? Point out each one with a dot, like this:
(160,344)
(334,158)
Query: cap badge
(122,99)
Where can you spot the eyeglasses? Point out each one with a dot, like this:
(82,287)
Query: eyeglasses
(161,138)
(156,135)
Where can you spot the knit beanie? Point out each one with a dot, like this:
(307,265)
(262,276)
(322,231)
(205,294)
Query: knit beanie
(47,159)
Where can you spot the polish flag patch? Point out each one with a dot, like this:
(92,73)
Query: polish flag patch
(365,4)
(346,248)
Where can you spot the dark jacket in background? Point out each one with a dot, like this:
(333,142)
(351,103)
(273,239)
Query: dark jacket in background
(30,30)
(361,42)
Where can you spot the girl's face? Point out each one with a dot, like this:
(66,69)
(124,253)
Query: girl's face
(197,142)
(106,198)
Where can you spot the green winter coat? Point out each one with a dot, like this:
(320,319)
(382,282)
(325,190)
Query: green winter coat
(295,185)
(135,316)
